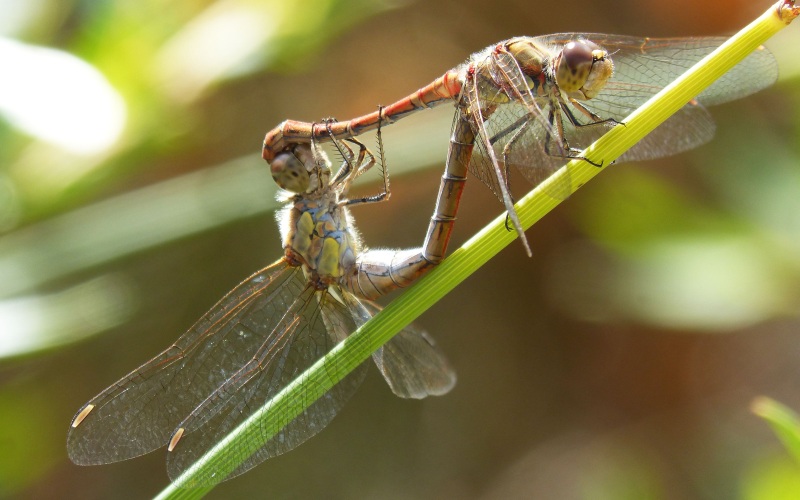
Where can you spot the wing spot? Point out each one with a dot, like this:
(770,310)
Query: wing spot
(82,415)
(175,438)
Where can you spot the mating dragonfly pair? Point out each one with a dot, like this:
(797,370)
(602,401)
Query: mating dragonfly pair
(527,103)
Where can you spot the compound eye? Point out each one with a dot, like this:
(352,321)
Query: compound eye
(574,66)
(578,56)
(290,173)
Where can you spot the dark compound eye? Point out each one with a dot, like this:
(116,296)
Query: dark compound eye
(573,66)
(576,56)
(289,172)
(582,69)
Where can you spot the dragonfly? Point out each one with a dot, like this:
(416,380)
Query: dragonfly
(532,103)
(270,328)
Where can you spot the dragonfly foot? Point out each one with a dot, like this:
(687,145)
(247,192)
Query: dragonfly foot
(574,155)
(508,223)
(590,162)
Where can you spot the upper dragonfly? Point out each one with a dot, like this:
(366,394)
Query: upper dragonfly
(535,102)
(271,328)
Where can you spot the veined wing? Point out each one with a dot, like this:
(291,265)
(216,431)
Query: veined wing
(482,98)
(535,154)
(520,141)
(139,413)
(513,128)
(309,324)
(643,66)
(411,363)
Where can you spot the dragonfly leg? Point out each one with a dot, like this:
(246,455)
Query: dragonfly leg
(506,169)
(560,141)
(366,165)
(596,120)
(507,150)
(476,118)
(594,117)
(386,194)
(348,171)
(320,160)
(566,151)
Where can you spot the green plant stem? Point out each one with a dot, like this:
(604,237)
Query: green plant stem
(321,376)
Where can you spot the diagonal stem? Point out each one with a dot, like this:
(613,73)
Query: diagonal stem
(320,377)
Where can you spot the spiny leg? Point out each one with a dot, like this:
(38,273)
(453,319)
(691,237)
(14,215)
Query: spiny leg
(369,163)
(565,150)
(320,159)
(346,172)
(483,137)
(364,166)
(506,151)
(381,154)
(596,119)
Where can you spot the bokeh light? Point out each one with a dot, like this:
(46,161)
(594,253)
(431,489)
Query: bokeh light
(58,98)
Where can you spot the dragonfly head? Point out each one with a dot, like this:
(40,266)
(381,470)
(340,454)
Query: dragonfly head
(299,170)
(582,69)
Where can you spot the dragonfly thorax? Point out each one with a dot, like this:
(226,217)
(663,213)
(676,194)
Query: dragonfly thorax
(319,239)
(530,55)
(315,226)
(582,69)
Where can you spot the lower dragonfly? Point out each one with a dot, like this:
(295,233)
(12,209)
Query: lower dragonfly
(273,326)
(534,102)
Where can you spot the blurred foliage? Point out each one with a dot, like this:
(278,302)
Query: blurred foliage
(774,478)
(676,254)
(784,422)
(575,387)
(27,431)
(162,58)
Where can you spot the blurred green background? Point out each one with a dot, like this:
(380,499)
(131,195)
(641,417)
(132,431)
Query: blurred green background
(618,363)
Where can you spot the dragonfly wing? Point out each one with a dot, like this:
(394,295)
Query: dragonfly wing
(480,165)
(479,93)
(649,64)
(642,67)
(690,127)
(522,142)
(687,129)
(138,414)
(658,61)
(310,323)
(516,125)
(413,366)
(411,363)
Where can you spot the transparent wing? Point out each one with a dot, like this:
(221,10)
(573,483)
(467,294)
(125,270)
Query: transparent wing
(519,127)
(306,330)
(523,136)
(643,66)
(534,155)
(483,93)
(139,413)
(521,141)
(483,96)
(411,363)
